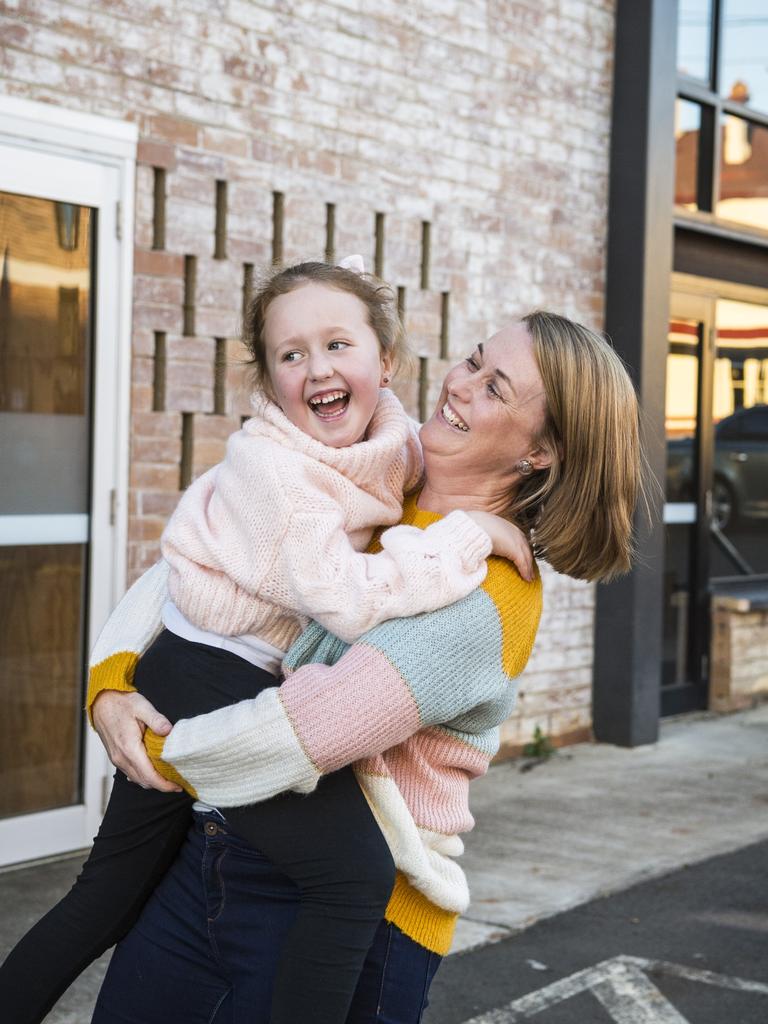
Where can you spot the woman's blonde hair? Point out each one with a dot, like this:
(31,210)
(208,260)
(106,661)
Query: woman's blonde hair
(581,507)
(378,298)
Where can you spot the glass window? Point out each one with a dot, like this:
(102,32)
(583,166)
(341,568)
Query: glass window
(681,413)
(45,383)
(694,32)
(44,355)
(687,132)
(744,52)
(744,173)
(740,411)
(681,408)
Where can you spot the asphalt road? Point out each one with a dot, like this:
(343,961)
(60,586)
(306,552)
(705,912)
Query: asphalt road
(688,948)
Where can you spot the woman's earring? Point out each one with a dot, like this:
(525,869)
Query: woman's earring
(385,379)
(524,467)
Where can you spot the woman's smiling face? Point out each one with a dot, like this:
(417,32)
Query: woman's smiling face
(324,362)
(492,408)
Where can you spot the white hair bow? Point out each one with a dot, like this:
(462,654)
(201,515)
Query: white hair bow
(354,263)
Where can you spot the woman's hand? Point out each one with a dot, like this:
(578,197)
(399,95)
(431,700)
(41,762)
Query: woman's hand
(508,541)
(120,720)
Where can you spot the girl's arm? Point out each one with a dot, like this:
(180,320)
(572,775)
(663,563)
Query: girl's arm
(350,592)
(263,525)
(401,677)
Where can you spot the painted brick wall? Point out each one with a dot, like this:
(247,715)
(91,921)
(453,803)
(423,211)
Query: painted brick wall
(487,120)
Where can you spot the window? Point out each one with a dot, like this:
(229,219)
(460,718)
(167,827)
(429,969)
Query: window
(744,45)
(721,117)
(694,38)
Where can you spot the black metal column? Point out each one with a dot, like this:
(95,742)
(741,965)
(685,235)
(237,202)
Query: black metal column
(628,627)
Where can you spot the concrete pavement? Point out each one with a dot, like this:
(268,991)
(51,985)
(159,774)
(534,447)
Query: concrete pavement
(591,821)
(595,819)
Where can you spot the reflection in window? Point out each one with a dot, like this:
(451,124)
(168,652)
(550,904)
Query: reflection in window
(45,294)
(681,407)
(744,66)
(693,38)
(744,173)
(681,410)
(45,384)
(740,413)
(687,132)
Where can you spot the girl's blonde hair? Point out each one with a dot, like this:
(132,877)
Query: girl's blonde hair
(581,507)
(378,298)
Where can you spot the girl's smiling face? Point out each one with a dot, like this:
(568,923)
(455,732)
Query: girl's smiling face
(324,361)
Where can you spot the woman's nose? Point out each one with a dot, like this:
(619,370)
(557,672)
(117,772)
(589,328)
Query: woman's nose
(460,387)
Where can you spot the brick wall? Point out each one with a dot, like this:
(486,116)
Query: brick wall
(739,654)
(344,126)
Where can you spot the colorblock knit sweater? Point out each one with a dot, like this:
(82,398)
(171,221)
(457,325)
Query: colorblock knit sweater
(415,704)
(275,534)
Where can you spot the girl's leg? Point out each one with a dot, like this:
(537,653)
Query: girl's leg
(395,980)
(329,845)
(138,840)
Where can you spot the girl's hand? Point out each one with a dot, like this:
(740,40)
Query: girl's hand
(120,720)
(508,541)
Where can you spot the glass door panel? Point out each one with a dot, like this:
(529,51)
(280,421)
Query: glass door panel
(681,417)
(45,398)
(739,537)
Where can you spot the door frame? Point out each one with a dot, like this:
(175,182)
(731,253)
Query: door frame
(695,298)
(53,153)
(691,693)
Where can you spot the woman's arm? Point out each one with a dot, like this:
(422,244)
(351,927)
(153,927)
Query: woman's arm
(128,632)
(121,720)
(118,713)
(401,677)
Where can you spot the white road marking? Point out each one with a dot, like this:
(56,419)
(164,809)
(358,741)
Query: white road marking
(623,987)
(630,997)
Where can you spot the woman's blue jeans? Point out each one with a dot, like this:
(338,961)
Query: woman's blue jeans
(206,947)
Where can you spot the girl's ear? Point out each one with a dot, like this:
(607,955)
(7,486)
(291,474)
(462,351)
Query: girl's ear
(386,369)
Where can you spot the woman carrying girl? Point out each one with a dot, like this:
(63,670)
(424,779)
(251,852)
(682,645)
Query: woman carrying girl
(540,421)
(270,537)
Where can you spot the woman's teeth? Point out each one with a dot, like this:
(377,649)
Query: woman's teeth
(452,418)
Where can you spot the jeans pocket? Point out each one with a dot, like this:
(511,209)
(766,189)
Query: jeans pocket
(215,889)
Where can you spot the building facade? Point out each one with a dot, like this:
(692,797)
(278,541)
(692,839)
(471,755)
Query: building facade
(155,159)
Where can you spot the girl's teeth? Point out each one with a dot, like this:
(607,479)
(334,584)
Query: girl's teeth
(334,396)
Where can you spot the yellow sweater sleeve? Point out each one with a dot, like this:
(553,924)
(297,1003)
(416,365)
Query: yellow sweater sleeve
(154,745)
(127,633)
(113,673)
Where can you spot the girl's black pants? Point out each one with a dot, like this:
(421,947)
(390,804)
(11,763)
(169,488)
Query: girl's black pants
(327,842)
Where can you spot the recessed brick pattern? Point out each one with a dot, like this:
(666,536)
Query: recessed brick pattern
(462,148)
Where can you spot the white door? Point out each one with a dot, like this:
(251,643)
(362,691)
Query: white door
(64,348)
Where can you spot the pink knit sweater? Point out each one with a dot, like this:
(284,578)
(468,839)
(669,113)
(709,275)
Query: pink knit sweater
(275,534)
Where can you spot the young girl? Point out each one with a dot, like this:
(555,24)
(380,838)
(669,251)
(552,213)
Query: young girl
(271,536)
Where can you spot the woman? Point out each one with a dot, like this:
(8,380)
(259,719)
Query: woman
(541,423)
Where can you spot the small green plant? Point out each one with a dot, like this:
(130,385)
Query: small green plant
(540,746)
